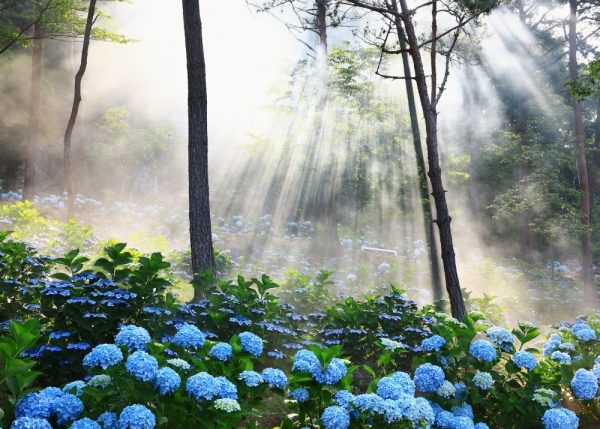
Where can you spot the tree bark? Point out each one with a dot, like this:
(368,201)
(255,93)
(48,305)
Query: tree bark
(589,284)
(75,109)
(443,220)
(322,25)
(594,164)
(35,105)
(203,256)
(436,281)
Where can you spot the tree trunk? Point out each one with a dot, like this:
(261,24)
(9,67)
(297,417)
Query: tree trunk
(436,281)
(203,256)
(443,220)
(75,109)
(589,284)
(322,26)
(34,114)
(594,164)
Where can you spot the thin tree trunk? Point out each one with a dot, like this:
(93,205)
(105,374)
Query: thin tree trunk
(75,109)
(322,25)
(443,220)
(203,256)
(594,164)
(34,115)
(589,284)
(436,281)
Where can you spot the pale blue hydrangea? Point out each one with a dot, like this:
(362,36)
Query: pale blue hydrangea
(393,412)
(500,335)
(556,337)
(481,425)
(77,385)
(444,419)
(202,386)
(274,377)
(136,417)
(483,350)
(550,346)
(227,404)
(142,366)
(429,378)
(225,388)
(465,410)
(30,423)
(103,355)
(251,378)
(433,343)
(561,358)
(446,390)
(334,372)
(305,360)
(525,360)
(390,345)
(584,384)
(370,402)
(388,388)
(133,337)
(560,418)
(100,380)
(335,418)
(483,380)
(580,327)
(85,423)
(67,408)
(179,363)
(545,397)
(221,351)
(166,381)
(404,381)
(188,336)
(300,394)
(108,420)
(567,346)
(420,410)
(251,343)
(461,422)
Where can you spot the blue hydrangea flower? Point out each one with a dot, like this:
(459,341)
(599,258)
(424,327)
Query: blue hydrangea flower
(461,422)
(227,404)
(166,381)
(465,410)
(335,418)
(483,380)
(31,406)
(251,343)
(202,386)
(429,378)
(461,391)
(562,358)
(393,411)
(30,423)
(483,350)
(481,425)
(74,384)
(550,346)
(444,419)
(221,351)
(179,363)
(344,398)
(580,327)
(136,417)
(446,390)
(419,410)
(103,355)
(334,372)
(134,337)
(188,336)
(525,360)
(108,420)
(405,383)
(370,402)
(225,388)
(251,378)
(67,408)
(433,343)
(305,360)
(142,366)
(274,377)
(390,345)
(300,394)
(584,383)
(100,380)
(500,335)
(585,334)
(85,423)
(560,418)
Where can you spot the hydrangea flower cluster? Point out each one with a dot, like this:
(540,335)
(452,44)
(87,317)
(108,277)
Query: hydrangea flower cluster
(133,337)
(433,343)
(221,351)
(227,404)
(300,394)
(584,384)
(251,343)
(525,360)
(136,417)
(335,417)
(251,378)
(483,350)
(103,355)
(166,381)
(583,332)
(188,336)
(50,401)
(306,360)
(274,377)
(483,380)
(501,336)
(142,366)
(560,418)
(429,378)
